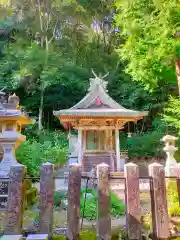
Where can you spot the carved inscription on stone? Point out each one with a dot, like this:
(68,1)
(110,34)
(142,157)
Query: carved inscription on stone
(3,194)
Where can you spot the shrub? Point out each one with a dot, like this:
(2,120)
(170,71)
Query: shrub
(172,197)
(174,210)
(31,195)
(90,210)
(145,144)
(117,207)
(28,184)
(51,147)
(57,198)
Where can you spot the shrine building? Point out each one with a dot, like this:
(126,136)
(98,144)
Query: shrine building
(98,120)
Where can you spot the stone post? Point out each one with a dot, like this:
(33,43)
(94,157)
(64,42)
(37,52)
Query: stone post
(170,149)
(160,216)
(131,173)
(103,217)
(74,192)
(46,198)
(14,215)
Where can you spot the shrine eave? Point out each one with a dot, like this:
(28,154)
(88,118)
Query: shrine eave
(121,113)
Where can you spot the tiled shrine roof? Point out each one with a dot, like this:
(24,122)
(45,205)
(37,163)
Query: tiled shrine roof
(98,103)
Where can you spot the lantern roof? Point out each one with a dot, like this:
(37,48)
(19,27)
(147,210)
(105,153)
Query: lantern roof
(10,110)
(98,103)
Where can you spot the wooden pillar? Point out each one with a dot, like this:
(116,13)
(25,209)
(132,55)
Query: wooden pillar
(160,216)
(118,159)
(74,192)
(103,217)
(106,139)
(14,215)
(80,147)
(46,198)
(84,143)
(133,217)
(110,140)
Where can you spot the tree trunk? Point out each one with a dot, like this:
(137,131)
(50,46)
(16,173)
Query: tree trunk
(41,108)
(178,72)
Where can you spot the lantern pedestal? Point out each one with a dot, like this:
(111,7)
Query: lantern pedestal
(8,141)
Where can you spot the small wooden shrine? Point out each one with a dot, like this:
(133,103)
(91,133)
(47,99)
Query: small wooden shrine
(98,119)
(11,121)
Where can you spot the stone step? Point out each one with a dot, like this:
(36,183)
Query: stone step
(11,237)
(90,160)
(37,237)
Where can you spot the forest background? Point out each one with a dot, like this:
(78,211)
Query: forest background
(47,51)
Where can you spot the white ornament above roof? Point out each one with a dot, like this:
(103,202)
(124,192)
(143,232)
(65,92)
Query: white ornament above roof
(94,82)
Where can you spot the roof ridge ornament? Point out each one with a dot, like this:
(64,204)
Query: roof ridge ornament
(98,81)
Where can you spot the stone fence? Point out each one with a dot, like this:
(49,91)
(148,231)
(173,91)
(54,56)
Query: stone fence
(160,220)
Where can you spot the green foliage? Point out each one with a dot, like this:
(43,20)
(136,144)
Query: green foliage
(174,209)
(150,44)
(28,184)
(58,197)
(58,237)
(90,210)
(117,206)
(31,195)
(52,75)
(87,235)
(172,197)
(172,113)
(146,144)
(51,147)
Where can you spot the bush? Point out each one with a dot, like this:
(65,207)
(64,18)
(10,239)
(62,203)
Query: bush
(57,198)
(172,197)
(31,195)
(117,207)
(51,147)
(174,210)
(146,144)
(28,184)
(90,210)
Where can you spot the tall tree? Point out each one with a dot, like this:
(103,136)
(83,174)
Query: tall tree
(151,31)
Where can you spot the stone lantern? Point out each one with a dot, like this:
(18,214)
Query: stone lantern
(170,149)
(11,120)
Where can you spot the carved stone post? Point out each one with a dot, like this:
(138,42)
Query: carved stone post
(170,149)
(74,192)
(46,198)
(160,216)
(14,216)
(103,217)
(131,173)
